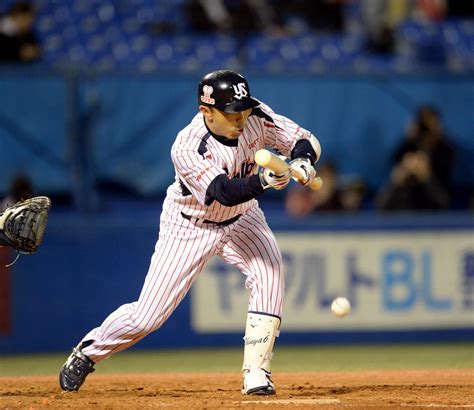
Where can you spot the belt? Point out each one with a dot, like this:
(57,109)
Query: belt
(207,221)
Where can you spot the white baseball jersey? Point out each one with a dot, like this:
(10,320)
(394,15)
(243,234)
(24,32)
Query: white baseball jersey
(186,244)
(199,158)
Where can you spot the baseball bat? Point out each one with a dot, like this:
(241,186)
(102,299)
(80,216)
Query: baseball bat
(267,159)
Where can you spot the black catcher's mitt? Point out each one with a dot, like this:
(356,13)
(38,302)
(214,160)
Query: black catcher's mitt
(22,225)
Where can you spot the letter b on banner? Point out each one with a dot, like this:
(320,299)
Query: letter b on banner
(398,282)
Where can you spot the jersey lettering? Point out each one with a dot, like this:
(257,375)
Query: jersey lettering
(202,173)
(253,144)
(245,169)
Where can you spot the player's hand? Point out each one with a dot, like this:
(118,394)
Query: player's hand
(269,179)
(303,165)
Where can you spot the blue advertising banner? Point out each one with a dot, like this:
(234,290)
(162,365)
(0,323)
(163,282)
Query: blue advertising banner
(394,281)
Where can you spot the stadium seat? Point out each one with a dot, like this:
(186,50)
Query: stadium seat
(124,34)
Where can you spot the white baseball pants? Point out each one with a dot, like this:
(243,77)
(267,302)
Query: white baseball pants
(180,254)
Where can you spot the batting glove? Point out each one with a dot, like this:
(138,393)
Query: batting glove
(304,167)
(270,180)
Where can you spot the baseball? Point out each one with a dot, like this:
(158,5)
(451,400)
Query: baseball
(340,306)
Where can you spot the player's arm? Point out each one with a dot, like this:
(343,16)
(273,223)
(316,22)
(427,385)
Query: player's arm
(305,147)
(304,155)
(209,183)
(282,134)
(231,192)
(308,149)
(291,140)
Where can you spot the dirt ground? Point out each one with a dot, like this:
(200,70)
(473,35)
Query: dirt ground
(417,389)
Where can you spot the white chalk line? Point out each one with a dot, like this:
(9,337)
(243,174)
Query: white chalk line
(336,401)
(292,401)
(434,405)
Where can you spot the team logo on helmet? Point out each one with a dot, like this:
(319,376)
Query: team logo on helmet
(206,98)
(240,91)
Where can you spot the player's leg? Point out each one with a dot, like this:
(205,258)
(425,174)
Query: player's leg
(253,249)
(179,257)
(174,266)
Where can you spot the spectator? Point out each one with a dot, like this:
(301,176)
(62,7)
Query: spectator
(233,16)
(460,9)
(379,19)
(426,134)
(423,164)
(208,15)
(333,196)
(431,11)
(17,40)
(323,15)
(412,186)
(353,194)
(251,16)
(20,188)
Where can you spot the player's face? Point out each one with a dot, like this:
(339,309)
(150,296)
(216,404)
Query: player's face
(225,124)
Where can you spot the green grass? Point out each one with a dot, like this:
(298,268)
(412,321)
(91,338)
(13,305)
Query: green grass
(301,358)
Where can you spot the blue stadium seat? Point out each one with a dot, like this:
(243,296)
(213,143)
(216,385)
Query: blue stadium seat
(422,41)
(306,52)
(458,37)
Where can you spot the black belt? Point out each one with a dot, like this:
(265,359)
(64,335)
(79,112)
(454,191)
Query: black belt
(207,221)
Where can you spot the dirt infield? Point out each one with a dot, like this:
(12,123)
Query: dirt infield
(329,390)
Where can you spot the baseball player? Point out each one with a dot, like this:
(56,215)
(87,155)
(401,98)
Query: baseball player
(211,209)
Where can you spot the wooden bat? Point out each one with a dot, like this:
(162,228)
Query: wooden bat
(267,159)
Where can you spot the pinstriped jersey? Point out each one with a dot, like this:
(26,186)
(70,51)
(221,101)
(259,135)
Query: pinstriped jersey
(199,157)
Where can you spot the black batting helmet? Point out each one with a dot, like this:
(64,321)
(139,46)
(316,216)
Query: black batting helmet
(225,90)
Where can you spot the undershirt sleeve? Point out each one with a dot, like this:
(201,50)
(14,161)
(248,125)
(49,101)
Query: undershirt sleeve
(231,192)
(304,149)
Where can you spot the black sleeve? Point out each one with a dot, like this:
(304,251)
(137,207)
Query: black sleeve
(230,192)
(304,149)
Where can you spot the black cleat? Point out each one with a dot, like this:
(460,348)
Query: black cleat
(75,370)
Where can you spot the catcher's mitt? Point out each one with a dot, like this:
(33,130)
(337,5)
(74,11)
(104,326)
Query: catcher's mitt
(22,225)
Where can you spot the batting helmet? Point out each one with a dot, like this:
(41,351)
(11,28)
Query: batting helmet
(225,90)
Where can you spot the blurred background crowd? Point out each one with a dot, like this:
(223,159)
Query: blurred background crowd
(276,35)
(355,37)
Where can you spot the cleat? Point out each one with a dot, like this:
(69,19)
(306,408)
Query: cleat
(258,382)
(75,370)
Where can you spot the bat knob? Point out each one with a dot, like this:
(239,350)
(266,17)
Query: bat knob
(317,184)
(263,157)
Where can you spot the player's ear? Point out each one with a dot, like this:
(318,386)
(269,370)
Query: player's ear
(206,111)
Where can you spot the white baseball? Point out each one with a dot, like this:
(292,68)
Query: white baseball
(340,306)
